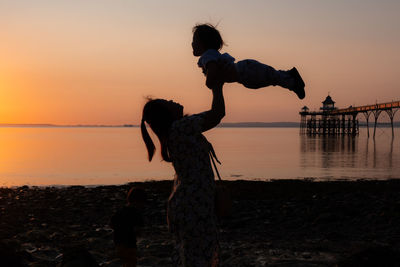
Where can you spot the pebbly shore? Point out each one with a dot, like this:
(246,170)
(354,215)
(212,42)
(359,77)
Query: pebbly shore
(275,223)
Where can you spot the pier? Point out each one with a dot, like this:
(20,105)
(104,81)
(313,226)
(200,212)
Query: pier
(331,121)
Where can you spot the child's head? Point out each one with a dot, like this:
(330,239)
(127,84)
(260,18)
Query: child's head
(206,36)
(136,196)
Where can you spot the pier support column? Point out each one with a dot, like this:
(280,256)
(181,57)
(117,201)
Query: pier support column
(366,115)
(391,114)
(376,115)
(302,124)
(343,124)
(354,124)
(348,125)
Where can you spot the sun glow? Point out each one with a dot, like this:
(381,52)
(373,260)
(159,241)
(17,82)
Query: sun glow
(94,63)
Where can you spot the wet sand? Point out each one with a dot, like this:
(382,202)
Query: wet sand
(277,223)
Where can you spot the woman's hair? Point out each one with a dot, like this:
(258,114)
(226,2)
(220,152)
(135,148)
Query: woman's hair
(159,117)
(209,36)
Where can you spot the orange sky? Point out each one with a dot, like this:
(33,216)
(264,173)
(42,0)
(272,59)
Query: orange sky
(68,62)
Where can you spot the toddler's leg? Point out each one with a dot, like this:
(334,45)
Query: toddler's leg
(253,74)
(298,83)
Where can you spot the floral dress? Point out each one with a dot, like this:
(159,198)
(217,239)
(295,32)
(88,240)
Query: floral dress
(191,213)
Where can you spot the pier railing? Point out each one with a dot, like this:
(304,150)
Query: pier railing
(382,106)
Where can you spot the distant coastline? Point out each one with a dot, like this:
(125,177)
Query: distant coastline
(222,125)
(259,125)
(290,124)
(64,126)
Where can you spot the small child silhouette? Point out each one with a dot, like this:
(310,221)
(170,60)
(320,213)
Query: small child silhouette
(221,68)
(126,223)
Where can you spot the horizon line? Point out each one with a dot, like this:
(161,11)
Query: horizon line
(252,124)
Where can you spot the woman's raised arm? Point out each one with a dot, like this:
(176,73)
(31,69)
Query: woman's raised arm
(213,117)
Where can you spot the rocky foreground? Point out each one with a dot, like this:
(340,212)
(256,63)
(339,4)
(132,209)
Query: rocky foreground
(277,223)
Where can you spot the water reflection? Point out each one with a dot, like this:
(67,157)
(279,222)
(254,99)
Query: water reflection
(334,151)
(349,156)
(328,144)
(48,156)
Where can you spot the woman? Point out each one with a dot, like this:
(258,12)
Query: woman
(191,216)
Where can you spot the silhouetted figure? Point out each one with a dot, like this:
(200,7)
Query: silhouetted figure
(372,257)
(221,68)
(126,223)
(9,257)
(191,216)
(77,257)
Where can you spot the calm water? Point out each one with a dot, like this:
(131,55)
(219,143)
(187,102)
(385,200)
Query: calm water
(92,156)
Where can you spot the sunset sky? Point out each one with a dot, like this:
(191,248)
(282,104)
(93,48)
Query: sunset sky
(94,62)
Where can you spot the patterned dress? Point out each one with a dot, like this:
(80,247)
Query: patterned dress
(191,213)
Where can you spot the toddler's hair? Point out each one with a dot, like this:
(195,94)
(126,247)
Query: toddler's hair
(136,194)
(209,36)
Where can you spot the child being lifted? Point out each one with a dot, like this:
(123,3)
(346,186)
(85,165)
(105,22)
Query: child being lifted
(221,68)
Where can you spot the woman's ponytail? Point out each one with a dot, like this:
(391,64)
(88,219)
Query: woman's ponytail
(147,140)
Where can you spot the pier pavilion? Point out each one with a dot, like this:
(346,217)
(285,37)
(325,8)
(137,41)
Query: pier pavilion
(331,121)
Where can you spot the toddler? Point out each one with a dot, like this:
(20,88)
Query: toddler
(126,223)
(221,68)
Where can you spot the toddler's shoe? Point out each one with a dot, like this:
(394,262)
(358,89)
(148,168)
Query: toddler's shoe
(298,83)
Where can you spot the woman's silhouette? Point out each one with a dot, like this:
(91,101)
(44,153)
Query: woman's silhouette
(191,215)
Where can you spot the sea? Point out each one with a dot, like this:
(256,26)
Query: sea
(89,156)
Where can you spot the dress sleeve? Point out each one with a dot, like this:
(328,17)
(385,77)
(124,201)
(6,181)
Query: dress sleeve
(189,125)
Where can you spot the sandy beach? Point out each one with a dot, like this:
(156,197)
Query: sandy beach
(277,223)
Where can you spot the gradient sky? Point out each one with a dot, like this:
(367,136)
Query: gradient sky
(94,62)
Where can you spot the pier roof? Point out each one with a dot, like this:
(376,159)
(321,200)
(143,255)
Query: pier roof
(328,100)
